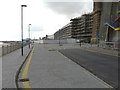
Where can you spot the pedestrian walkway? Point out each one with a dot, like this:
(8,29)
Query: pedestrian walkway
(10,64)
(50,69)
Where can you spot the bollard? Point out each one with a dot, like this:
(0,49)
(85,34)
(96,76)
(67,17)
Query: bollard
(10,48)
(7,50)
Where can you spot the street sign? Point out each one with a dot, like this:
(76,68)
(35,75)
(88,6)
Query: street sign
(24,41)
(97,34)
(60,36)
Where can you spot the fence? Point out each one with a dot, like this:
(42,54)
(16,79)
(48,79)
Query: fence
(66,41)
(10,48)
(110,45)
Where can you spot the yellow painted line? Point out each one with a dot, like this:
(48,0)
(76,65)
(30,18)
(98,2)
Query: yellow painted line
(88,73)
(106,86)
(25,72)
(98,52)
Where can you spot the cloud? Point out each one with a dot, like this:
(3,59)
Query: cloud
(70,9)
(45,17)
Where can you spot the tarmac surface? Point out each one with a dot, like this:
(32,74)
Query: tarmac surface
(50,69)
(102,65)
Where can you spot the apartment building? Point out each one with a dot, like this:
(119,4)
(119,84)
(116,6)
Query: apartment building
(82,27)
(64,32)
(96,21)
(96,26)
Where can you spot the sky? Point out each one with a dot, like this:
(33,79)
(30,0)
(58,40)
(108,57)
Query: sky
(45,16)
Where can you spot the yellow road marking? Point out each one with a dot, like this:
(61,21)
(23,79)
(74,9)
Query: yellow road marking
(88,73)
(99,52)
(25,72)
(106,86)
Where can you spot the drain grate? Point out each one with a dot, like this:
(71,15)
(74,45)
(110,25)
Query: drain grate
(24,80)
(52,49)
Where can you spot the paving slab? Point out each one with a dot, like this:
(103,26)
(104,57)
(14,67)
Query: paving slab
(10,64)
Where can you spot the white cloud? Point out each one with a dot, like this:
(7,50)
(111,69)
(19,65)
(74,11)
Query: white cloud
(44,20)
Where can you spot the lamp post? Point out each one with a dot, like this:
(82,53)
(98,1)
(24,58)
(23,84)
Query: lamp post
(22,27)
(59,38)
(29,33)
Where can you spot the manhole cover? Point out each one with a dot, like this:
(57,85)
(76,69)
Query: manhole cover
(24,80)
(52,50)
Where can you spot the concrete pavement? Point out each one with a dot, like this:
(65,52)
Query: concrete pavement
(10,64)
(50,69)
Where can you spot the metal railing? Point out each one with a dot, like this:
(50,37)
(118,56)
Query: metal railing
(110,45)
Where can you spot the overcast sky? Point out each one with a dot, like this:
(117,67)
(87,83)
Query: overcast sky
(46,17)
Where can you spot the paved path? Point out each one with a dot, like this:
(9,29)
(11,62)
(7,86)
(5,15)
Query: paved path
(50,69)
(10,64)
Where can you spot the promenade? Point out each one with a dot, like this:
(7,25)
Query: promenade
(50,69)
(10,64)
(53,66)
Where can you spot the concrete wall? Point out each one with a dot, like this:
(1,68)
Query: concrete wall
(71,41)
(54,41)
(0,50)
(10,48)
(109,10)
(105,15)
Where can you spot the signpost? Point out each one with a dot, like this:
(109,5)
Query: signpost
(59,40)
(60,37)
(97,34)
(97,39)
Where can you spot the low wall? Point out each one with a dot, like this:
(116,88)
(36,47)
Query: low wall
(10,48)
(0,50)
(110,45)
(66,41)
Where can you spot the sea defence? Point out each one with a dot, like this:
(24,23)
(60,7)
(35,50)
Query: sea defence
(10,47)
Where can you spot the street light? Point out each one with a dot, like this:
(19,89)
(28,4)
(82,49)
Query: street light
(29,33)
(22,27)
(59,37)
